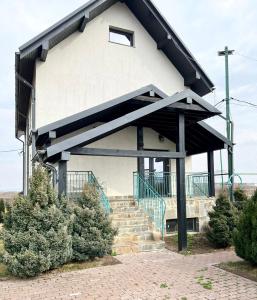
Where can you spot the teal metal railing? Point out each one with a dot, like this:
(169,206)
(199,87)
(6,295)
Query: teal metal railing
(76,182)
(150,201)
(165,184)
(197,185)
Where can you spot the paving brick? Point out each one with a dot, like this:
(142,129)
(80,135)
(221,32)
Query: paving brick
(139,277)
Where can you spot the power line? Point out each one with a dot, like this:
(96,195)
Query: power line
(238,104)
(242,101)
(246,56)
(217,104)
(9,151)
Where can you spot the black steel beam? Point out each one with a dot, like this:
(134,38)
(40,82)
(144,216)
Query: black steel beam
(162,43)
(191,79)
(125,153)
(97,109)
(84,22)
(140,147)
(211,177)
(181,185)
(62,178)
(44,51)
(106,129)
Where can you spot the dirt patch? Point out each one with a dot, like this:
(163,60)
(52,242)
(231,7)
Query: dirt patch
(197,244)
(241,268)
(98,262)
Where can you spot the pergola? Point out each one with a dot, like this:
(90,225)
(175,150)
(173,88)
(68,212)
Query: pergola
(179,118)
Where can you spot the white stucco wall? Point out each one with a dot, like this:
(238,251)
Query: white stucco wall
(86,69)
(114,173)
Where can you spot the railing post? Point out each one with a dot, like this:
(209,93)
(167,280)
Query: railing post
(211,177)
(181,188)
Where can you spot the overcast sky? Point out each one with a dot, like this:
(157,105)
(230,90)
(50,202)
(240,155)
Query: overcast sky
(205,26)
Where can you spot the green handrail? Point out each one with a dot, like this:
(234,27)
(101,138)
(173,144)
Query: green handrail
(103,198)
(150,201)
(164,183)
(76,181)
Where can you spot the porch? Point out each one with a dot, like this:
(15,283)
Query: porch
(177,119)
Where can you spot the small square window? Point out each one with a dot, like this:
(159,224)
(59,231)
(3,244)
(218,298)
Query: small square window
(121,36)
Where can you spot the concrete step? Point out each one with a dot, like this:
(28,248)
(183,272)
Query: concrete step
(151,246)
(127,215)
(133,228)
(120,222)
(134,233)
(123,203)
(133,247)
(126,209)
(136,237)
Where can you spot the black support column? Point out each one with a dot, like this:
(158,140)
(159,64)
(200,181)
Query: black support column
(62,178)
(211,177)
(140,146)
(140,160)
(181,186)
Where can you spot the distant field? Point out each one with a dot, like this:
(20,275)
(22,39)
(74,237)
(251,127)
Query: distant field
(8,196)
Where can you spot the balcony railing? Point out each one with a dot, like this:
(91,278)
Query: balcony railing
(165,184)
(76,183)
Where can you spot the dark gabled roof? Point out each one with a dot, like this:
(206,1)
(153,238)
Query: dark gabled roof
(159,115)
(165,37)
(81,119)
(107,111)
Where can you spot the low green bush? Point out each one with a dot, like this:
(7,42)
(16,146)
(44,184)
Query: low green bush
(240,198)
(222,222)
(36,230)
(92,231)
(245,234)
(2,210)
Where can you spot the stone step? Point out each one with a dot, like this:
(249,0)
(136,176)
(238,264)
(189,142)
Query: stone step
(133,247)
(126,210)
(127,215)
(129,221)
(151,246)
(133,228)
(139,236)
(122,201)
(122,204)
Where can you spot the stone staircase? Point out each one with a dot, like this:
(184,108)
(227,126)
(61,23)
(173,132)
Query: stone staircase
(135,232)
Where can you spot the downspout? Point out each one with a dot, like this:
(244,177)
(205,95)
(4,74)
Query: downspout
(33,110)
(24,171)
(53,169)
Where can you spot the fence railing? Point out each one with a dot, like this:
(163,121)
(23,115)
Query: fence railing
(246,181)
(150,201)
(76,182)
(165,183)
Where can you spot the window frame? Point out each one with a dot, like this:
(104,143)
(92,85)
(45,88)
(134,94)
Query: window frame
(122,31)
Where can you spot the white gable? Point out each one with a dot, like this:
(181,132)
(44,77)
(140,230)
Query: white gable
(86,69)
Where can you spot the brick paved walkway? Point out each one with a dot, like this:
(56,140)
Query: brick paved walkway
(161,275)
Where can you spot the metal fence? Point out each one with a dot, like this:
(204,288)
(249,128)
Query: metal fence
(76,182)
(165,183)
(245,181)
(150,201)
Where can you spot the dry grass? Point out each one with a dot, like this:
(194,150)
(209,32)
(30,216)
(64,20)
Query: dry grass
(100,262)
(241,268)
(197,244)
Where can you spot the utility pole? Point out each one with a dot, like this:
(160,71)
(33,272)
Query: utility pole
(229,123)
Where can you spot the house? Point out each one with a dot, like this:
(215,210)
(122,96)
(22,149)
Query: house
(111,95)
